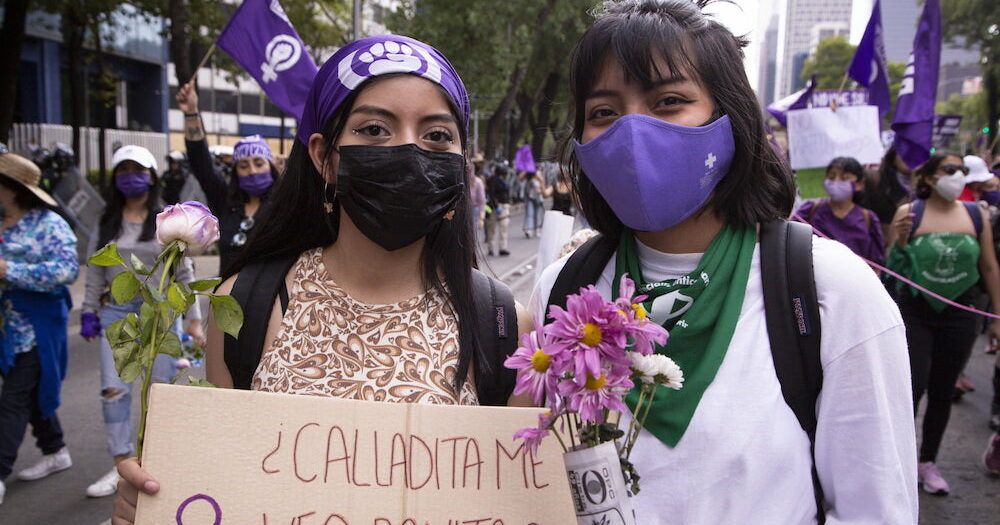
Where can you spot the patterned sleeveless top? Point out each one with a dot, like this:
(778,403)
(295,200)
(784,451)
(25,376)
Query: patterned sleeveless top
(330,344)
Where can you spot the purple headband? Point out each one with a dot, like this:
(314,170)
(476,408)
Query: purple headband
(369,57)
(251,146)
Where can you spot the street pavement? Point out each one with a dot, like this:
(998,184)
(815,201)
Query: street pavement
(59,499)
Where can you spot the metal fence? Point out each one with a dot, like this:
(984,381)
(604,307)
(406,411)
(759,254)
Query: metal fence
(24,136)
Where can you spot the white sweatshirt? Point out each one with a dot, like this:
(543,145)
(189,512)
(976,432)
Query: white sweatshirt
(744,458)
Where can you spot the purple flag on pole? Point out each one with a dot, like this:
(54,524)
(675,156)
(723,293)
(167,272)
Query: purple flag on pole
(524,160)
(868,68)
(260,38)
(797,100)
(914,118)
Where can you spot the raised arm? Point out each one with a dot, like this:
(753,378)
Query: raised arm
(212,183)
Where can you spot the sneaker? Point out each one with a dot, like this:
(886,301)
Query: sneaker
(49,464)
(991,458)
(504,253)
(930,479)
(490,253)
(105,486)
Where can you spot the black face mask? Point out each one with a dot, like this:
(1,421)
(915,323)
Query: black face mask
(397,195)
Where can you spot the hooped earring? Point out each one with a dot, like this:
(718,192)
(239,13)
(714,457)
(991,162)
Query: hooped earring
(327,205)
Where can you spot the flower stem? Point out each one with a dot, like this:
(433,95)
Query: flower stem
(642,423)
(147,378)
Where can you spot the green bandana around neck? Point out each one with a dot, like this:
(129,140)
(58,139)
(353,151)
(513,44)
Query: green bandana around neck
(701,310)
(943,262)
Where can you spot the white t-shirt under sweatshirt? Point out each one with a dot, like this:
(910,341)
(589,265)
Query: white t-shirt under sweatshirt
(744,458)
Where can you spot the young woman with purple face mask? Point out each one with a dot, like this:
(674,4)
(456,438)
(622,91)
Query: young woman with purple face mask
(129,220)
(839,218)
(671,164)
(235,202)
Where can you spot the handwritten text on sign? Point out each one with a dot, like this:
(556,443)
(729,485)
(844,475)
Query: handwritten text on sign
(234,457)
(818,135)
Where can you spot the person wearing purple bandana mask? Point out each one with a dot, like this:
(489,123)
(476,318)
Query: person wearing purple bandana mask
(839,217)
(671,164)
(369,226)
(237,199)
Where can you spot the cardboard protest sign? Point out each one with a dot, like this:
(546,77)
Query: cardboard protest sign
(818,135)
(255,458)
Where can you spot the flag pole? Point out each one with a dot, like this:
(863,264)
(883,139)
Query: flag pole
(833,103)
(204,59)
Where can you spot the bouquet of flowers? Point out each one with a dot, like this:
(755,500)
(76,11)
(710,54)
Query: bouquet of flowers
(580,367)
(187,228)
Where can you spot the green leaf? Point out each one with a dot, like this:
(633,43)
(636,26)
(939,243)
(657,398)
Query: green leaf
(147,313)
(124,355)
(170,345)
(204,285)
(228,314)
(197,381)
(177,298)
(130,372)
(139,267)
(124,287)
(107,256)
(116,333)
(130,327)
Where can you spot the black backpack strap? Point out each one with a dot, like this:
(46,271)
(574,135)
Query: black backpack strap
(975,215)
(497,331)
(583,268)
(255,289)
(917,210)
(793,324)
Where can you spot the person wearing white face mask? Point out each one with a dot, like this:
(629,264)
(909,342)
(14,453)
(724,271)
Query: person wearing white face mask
(839,218)
(941,244)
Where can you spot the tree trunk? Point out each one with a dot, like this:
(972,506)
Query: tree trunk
(498,117)
(544,120)
(105,96)
(523,123)
(72,30)
(11,38)
(180,40)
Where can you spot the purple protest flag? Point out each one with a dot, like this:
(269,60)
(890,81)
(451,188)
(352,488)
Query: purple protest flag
(524,160)
(914,118)
(797,100)
(868,68)
(260,38)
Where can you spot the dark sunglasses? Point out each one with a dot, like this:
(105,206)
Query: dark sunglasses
(950,169)
(240,238)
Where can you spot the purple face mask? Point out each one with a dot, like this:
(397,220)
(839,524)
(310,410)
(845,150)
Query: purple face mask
(991,197)
(133,184)
(839,190)
(654,174)
(256,184)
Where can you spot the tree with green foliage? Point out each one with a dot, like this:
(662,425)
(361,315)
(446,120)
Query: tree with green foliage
(512,55)
(976,23)
(829,62)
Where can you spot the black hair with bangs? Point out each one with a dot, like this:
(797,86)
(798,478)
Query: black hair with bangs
(635,33)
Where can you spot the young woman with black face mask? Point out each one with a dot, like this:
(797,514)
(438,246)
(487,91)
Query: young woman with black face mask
(370,225)
(671,164)
(235,202)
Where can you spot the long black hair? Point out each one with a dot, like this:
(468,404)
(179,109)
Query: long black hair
(635,33)
(111,222)
(295,221)
(886,195)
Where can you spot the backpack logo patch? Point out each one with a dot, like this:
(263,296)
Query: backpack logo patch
(501,322)
(801,317)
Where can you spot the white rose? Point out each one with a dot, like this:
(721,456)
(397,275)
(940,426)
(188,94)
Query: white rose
(189,222)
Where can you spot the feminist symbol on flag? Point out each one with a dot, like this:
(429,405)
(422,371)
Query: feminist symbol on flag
(282,52)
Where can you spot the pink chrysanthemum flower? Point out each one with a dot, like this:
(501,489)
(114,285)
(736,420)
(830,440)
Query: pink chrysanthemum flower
(533,436)
(534,362)
(643,332)
(597,394)
(588,330)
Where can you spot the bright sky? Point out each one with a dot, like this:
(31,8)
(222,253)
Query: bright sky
(747,17)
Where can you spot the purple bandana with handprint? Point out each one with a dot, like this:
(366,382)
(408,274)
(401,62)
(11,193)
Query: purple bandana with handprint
(370,57)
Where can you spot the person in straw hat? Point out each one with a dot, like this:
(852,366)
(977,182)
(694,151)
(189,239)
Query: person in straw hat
(37,260)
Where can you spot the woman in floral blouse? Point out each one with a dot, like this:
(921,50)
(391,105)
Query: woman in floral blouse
(37,260)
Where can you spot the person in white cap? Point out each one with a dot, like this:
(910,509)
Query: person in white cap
(129,221)
(37,260)
(174,177)
(979,175)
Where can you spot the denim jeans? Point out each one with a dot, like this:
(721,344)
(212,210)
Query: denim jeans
(534,211)
(117,408)
(18,407)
